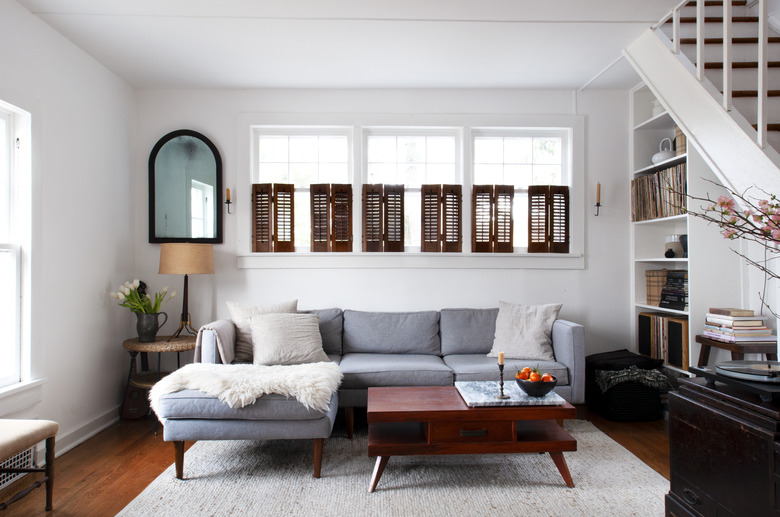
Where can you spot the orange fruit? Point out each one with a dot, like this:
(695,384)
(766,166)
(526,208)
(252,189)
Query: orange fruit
(547,377)
(535,377)
(522,375)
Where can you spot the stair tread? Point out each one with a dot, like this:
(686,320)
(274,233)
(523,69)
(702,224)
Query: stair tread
(769,127)
(740,64)
(719,19)
(734,41)
(754,93)
(709,3)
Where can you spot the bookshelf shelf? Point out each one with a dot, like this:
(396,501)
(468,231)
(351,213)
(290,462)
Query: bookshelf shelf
(713,278)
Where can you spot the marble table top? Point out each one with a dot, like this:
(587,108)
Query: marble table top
(483,393)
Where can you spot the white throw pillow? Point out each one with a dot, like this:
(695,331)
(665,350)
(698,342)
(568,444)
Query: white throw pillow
(525,331)
(287,339)
(242,319)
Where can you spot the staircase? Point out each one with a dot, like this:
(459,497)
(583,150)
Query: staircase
(716,68)
(741,80)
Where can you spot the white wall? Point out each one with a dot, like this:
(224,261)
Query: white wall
(83,216)
(596,296)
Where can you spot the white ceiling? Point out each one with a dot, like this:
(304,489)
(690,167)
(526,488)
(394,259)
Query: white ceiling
(357,43)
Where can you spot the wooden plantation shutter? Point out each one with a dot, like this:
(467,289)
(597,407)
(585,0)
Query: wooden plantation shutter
(372,218)
(442,218)
(341,218)
(394,217)
(482,218)
(272,217)
(493,226)
(262,196)
(383,217)
(320,217)
(548,219)
(430,229)
(284,217)
(503,226)
(331,217)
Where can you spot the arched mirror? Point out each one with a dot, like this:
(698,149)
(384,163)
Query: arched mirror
(185,189)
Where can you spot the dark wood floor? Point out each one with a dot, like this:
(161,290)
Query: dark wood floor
(101,476)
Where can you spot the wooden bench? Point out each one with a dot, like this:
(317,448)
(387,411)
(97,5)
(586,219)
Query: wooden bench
(19,435)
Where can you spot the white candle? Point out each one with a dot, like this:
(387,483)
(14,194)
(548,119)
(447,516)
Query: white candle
(501,358)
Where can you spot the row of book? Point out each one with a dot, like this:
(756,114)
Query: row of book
(663,336)
(730,325)
(662,194)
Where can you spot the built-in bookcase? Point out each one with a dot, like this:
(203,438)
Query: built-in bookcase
(713,269)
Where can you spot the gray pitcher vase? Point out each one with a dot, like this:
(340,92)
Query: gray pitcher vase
(147,325)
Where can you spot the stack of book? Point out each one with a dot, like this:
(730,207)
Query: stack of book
(737,326)
(674,293)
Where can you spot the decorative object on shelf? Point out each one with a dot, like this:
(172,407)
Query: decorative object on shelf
(598,197)
(501,394)
(147,325)
(664,153)
(186,258)
(672,247)
(749,217)
(658,108)
(680,141)
(684,244)
(227,200)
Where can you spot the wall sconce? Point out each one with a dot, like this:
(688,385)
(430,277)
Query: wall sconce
(227,200)
(598,197)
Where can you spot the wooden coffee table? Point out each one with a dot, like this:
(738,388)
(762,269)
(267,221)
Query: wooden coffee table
(435,420)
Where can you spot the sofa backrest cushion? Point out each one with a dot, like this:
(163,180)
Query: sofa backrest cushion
(467,331)
(392,332)
(331,328)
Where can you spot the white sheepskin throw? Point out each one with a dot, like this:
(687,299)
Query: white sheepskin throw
(239,385)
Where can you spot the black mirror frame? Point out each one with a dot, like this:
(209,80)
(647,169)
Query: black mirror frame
(218,160)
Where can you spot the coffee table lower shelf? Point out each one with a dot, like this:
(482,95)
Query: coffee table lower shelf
(453,428)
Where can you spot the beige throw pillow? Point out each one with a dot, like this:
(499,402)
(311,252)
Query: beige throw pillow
(525,331)
(287,339)
(242,319)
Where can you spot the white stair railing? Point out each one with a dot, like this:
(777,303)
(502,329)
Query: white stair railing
(727,31)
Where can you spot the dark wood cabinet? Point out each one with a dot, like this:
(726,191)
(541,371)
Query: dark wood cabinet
(724,446)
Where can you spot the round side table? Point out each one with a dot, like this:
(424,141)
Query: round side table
(147,378)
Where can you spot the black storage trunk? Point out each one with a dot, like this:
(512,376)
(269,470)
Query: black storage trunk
(627,401)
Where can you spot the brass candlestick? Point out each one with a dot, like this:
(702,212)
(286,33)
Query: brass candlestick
(501,383)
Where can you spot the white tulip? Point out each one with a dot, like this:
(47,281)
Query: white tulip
(115,296)
(120,297)
(165,289)
(136,283)
(173,294)
(126,290)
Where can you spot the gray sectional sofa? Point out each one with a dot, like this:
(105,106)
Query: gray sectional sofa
(428,348)
(424,348)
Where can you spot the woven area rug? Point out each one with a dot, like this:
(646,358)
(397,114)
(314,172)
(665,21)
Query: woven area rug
(275,478)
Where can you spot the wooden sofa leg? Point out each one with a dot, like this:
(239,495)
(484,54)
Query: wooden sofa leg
(178,449)
(349,413)
(49,473)
(318,443)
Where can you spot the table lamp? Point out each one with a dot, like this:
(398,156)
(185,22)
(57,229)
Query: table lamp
(186,258)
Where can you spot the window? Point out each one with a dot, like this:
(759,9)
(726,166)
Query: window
(302,156)
(412,158)
(14,237)
(521,157)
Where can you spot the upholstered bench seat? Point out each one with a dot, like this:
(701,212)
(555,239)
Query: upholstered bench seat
(18,435)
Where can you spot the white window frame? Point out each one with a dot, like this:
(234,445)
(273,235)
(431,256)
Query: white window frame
(258,131)
(565,134)
(454,132)
(247,123)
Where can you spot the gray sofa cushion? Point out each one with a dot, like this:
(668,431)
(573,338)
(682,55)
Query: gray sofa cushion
(196,404)
(331,326)
(364,370)
(391,332)
(478,367)
(467,331)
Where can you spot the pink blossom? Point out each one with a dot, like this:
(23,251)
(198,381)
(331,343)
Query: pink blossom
(776,234)
(729,233)
(726,203)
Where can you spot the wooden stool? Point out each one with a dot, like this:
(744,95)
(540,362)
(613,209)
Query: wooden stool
(19,435)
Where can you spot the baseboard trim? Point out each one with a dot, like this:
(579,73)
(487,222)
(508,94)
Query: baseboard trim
(67,441)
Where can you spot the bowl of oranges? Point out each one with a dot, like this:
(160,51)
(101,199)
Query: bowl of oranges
(535,383)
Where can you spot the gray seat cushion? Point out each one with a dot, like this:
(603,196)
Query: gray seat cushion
(467,331)
(478,367)
(364,370)
(392,332)
(194,404)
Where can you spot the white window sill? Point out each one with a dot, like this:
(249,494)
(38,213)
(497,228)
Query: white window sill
(360,260)
(20,396)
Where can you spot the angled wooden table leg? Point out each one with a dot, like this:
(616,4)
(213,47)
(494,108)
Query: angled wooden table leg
(563,468)
(379,467)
